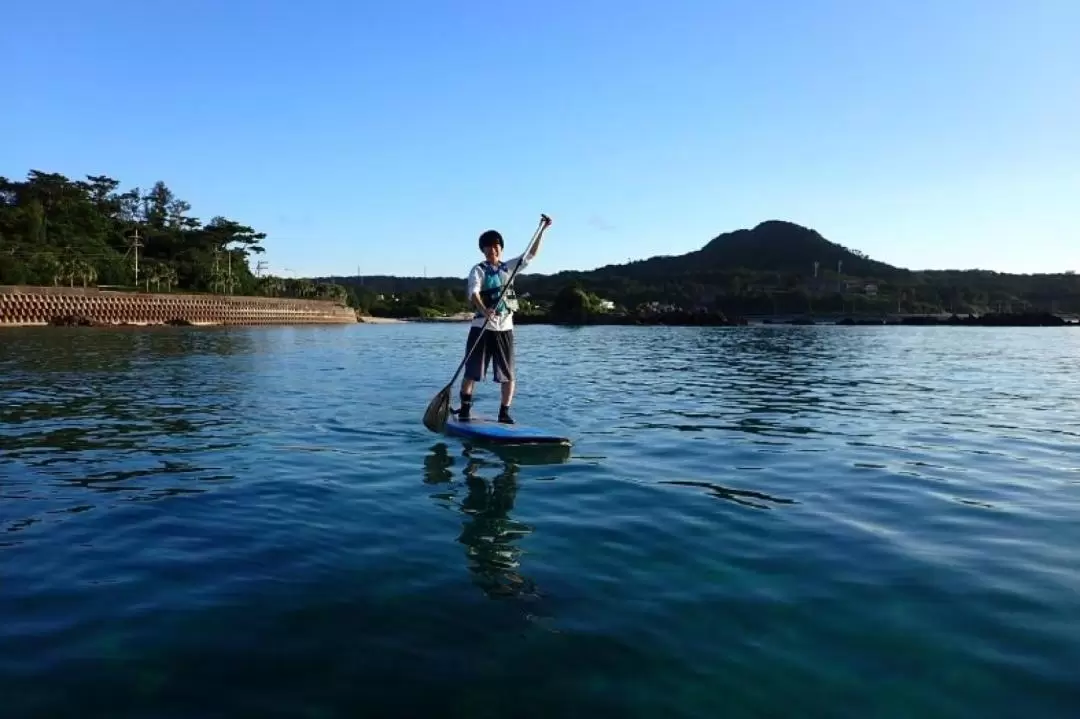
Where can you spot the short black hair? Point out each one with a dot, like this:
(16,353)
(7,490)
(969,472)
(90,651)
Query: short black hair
(490,237)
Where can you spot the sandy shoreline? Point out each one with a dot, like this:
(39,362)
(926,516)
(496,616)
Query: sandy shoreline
(380,320)
(365,319)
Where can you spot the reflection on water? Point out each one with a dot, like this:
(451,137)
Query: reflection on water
(489,533)
(129,413)
(200,520)
(739,496)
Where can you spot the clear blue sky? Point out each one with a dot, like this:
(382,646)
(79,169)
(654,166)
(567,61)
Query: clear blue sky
(931,133)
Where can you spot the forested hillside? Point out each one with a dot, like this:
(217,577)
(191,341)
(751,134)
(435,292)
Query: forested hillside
(58,231)
(82,232)
(767,269)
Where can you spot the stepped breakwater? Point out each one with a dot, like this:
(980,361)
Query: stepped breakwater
(22,305)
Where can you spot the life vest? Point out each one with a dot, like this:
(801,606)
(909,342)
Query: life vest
(495,277)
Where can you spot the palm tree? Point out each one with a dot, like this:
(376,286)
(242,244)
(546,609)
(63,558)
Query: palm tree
(69,269)
(51,267)
(272,286)
(155,275)
(86,272)
(167,274)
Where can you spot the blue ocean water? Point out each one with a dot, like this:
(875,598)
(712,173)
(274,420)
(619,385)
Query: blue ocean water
(753,521)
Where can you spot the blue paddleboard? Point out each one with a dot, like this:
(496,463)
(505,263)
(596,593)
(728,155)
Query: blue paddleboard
(491,430)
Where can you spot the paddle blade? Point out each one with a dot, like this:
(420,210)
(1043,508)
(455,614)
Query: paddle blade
(438,411)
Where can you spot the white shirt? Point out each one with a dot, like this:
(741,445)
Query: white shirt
(498,323)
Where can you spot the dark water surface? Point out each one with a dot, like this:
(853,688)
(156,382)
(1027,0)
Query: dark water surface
(788,521)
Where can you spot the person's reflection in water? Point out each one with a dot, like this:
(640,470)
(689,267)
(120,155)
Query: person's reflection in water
(488,533)
(437,465)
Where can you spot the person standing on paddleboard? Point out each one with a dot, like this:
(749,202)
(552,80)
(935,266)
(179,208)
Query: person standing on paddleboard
(496,337)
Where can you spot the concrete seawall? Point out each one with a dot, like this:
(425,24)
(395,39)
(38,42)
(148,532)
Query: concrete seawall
(23,305)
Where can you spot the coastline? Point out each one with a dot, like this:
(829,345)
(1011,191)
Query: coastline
(35,306)
(705,319)
(370,320)
(366,320)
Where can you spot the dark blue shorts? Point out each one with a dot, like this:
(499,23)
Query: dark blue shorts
(495,348)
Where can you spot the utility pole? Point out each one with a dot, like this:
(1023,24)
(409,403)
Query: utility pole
(135,245)
(259,267)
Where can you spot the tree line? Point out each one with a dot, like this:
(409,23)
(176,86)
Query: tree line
(59,231)
(735,293)
(424,301)
(774,268)
(83,232)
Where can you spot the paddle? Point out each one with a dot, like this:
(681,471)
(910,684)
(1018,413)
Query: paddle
(438,409)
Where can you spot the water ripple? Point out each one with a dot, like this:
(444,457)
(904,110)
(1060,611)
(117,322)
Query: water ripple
(856,521)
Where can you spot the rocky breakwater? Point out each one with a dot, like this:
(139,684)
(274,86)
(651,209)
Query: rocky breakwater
(23,305)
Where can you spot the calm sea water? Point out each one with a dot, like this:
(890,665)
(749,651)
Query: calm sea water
(754,521)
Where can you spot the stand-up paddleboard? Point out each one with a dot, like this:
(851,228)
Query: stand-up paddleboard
(489,430)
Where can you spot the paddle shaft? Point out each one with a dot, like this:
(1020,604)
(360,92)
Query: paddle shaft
(535,238)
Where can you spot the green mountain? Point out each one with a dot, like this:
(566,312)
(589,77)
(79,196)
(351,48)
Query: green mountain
(56,230)
(773,246)
(768,268)
(776,245)
(770,247)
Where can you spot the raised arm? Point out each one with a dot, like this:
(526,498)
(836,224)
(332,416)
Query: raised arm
(535,249)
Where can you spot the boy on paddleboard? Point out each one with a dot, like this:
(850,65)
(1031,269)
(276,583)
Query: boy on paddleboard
(496,338)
